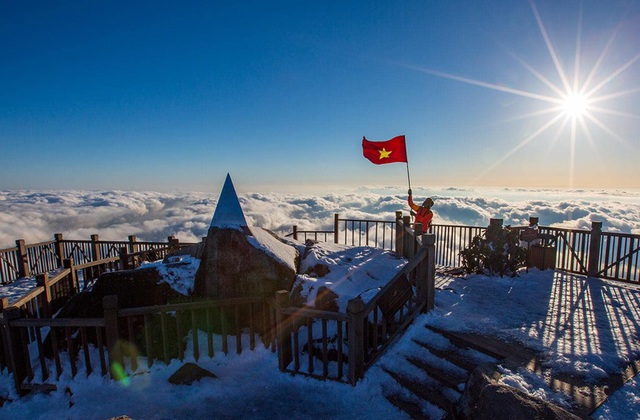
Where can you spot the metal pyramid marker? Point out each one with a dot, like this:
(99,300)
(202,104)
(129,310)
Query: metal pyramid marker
(228,213)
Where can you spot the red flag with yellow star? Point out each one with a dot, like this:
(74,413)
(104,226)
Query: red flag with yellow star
(381,152)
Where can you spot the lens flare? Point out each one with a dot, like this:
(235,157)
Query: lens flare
(120,375)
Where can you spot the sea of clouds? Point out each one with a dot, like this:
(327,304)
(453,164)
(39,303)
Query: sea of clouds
(114,215)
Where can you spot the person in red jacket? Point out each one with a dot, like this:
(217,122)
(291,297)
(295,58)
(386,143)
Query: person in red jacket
(423,213)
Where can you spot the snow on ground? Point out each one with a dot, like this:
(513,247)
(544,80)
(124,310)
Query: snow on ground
(583,326)
(13,291)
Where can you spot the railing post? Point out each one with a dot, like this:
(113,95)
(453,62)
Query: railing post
(417,232)
(295,232)
(110,307)
(428,271)
(493,223)
(59,249)
(594,249)
(22,258)
(335,228)
(283,330)
(421,275)
(355,312)
(124,258)
(406,246)
(42,280)
(174,243)
(17,353)
(399,232)
(95,248)
(73,278)
(133,247)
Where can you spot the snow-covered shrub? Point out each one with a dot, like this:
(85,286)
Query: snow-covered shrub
(496,252)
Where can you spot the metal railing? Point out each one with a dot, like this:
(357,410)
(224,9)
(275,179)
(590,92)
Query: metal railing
(608,255)
(29,260)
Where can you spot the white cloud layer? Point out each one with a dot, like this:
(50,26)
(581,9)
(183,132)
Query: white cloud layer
(114,215)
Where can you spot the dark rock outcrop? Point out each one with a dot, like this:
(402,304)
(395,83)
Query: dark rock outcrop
(318,270)
(484,398)
(134,288)
(326,300)
(189,373)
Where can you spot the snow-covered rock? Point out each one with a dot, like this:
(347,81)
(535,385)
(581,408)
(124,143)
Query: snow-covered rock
(347,272)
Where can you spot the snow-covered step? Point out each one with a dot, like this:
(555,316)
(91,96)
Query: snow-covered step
(510,354)
(450,355)
(426,391)
(446,378)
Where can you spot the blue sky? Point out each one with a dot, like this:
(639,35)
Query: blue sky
(170,96)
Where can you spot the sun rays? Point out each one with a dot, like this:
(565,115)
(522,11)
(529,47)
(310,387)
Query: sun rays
(576,103)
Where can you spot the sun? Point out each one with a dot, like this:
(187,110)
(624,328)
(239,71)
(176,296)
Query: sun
(575,105)
(575,100)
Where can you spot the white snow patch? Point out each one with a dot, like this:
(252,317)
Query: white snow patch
(282,252)
(179,272)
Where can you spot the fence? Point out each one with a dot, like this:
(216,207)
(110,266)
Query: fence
(347,344)
(50,291)
(353,232)
(608,255)
(338,345)
(381,234)
(121,336)
(30,260)
(33,345)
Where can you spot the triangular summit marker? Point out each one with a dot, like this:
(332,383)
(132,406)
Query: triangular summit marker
(228,213)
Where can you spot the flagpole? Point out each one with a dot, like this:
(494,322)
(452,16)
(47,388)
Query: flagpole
(407,157)
(409,180)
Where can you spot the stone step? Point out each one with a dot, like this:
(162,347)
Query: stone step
(469,341)
(424,391)
(446,378)
(450,355)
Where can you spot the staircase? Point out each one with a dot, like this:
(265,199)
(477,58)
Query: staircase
(430,379)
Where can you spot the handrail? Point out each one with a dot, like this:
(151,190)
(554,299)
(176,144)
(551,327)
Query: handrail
(45,243)
(314,313)
(57,322)
(185,306)
(408,267)
(41,288)
(27,260)
(35,292)
(96,263)
(58,276)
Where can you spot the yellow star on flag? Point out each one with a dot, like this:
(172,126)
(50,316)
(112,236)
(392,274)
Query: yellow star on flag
(384,153)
